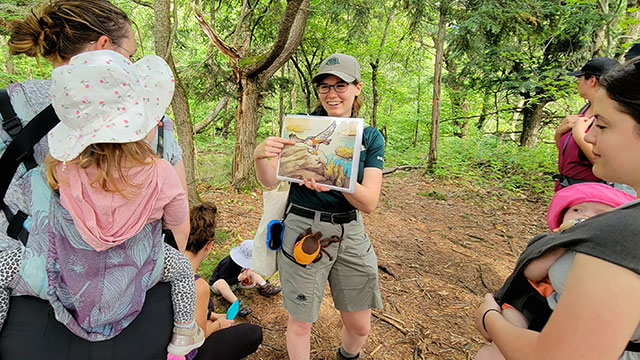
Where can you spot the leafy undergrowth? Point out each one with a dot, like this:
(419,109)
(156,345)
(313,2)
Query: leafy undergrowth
(487,160)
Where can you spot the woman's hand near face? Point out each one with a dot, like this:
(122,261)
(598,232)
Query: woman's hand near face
(579,131)
(565,125)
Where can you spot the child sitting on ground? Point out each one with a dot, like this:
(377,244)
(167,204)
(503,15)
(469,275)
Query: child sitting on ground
(235,269)
(218,329)
(112,184)
(569,206)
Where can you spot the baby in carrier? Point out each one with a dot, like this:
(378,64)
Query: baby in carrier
(568,207)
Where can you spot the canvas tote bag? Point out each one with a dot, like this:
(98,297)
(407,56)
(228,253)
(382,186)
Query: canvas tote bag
(263,260)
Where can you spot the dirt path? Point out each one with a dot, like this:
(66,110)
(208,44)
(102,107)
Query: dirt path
(440,247)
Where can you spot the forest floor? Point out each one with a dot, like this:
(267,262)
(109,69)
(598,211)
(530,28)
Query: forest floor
(441,245)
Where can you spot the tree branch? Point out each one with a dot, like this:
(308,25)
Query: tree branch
(143,3)
(282,39)
(224,48)
(174,29)
(201,126)
(294,39)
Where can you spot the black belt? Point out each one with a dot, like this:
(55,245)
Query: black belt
(334,218)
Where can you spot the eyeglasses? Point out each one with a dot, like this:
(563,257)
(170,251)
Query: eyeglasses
(131,56)
(338,87)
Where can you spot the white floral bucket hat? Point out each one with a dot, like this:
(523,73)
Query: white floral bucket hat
(101,97)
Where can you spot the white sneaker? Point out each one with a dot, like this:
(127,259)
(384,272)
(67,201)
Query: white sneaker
(184,340)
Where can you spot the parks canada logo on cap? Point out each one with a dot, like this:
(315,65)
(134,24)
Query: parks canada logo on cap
(333,61)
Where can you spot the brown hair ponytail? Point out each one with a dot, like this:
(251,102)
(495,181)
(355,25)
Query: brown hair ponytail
(60,29)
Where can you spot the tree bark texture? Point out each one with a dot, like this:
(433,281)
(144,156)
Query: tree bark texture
(252,77)
(179,103)
(374,72)
(532,119)
(246,129)
(437,87)
(374,94)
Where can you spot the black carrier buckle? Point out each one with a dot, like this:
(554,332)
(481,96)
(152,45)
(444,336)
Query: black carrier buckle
(16,224)
(12,126)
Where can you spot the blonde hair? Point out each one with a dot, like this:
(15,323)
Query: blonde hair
(110,159)
(60,29)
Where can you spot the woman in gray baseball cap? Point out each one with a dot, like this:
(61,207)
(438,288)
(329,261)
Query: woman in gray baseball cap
(351,268)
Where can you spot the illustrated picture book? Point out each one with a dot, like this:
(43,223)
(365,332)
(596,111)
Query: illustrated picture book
(327,149)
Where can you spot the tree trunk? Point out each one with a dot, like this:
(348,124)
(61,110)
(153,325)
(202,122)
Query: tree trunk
(10,68)
(437,87)
(179,104)
(246,129)
(374,72)
(531,121)
(213,115)
(252,76)
(280,103)
(486,104)
(374,92)
(634,26)
(415,133)
(225,131)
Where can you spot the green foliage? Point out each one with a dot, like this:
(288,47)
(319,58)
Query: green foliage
(214,160)
(434,195)
(219,251)
(489,160)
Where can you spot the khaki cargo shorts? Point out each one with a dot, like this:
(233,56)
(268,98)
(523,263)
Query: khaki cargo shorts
(352,274)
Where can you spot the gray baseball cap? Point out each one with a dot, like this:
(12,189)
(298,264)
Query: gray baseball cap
(346,67)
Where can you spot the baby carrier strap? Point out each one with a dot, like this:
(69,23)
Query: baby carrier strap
(20,150)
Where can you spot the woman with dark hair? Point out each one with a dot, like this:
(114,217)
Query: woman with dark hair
(574,153)
(351,268)
(597,315)
(59,30)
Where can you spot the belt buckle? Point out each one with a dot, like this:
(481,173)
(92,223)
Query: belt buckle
(332,221)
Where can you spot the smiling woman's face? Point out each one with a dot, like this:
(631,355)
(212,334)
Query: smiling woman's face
(615,137)
(338,104)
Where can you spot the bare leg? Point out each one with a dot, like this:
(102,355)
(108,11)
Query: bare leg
(223,288)
(489,352)
(298,339)
(355,329)
(515,317)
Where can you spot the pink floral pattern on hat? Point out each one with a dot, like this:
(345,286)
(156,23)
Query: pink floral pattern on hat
(106,100)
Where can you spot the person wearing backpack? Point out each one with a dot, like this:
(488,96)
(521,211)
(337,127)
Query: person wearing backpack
(58,30)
